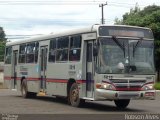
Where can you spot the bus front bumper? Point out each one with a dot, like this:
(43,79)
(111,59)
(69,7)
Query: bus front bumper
(113,95)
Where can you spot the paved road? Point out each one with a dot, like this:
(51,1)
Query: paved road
(11,102)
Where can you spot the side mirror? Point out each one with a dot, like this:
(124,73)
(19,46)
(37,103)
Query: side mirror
(95,50)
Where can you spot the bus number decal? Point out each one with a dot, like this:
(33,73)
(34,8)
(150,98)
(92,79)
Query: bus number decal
(23,71)
(72,71)
(108,77)
(72,67)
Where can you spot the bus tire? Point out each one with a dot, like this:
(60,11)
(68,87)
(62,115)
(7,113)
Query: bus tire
(24,91)
(122,104)
(73,97)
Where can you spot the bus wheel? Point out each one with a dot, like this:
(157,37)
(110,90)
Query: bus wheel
(122,104)
(24,91)
(73,97)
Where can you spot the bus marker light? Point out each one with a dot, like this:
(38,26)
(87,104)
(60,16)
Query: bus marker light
(98,85)
(149,94)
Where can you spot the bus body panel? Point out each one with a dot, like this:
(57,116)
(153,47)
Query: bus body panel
(31,74)
(59,78)
(54,78)
(7,75)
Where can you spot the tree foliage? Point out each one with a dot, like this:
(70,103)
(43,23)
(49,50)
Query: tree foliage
(2,43)
(148,17)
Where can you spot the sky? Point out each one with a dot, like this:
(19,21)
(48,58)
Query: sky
(34,17)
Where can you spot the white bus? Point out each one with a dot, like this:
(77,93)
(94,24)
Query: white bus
(100,62)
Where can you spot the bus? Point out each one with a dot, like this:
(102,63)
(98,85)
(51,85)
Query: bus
(100,62)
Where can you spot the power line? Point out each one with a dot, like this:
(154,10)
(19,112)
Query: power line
(12,19)
(49,2)
(55,1)
(47,21)
(131,4)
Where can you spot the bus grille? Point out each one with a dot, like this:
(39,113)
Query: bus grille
(128,85)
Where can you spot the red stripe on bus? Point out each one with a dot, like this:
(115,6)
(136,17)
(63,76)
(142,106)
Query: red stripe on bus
(10,78)
(47,80)
(64,80)
(81,81)
(7,78)
(19,78)
(33,79)
(57,80)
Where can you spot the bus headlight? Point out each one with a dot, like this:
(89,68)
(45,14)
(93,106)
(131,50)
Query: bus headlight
(148,87)
(106,86)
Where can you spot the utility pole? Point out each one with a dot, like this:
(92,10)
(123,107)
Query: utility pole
(102,5)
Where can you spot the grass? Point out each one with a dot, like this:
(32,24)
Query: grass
(157,86)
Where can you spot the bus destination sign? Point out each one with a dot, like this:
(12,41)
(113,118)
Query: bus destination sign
(123,31)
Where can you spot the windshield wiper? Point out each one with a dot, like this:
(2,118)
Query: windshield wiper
(119,44)
(134,47)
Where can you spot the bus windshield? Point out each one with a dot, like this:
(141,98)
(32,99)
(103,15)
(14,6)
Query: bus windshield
(125,55)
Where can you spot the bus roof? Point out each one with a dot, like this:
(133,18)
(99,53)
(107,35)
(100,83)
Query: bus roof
(92,28)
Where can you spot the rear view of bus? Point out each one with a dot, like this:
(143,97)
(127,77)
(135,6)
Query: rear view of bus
(124,64)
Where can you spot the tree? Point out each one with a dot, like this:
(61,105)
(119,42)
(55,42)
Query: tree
(148,17)
(2,43)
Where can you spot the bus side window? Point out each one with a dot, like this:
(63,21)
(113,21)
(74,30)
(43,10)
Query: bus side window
(30,53)
(75,48)
(62,49)
(52,50)
(22,53)
(36,52)
(8,55)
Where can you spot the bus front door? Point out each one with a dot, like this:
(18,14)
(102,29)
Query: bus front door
(14,69)
(89,70)
(43,67)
